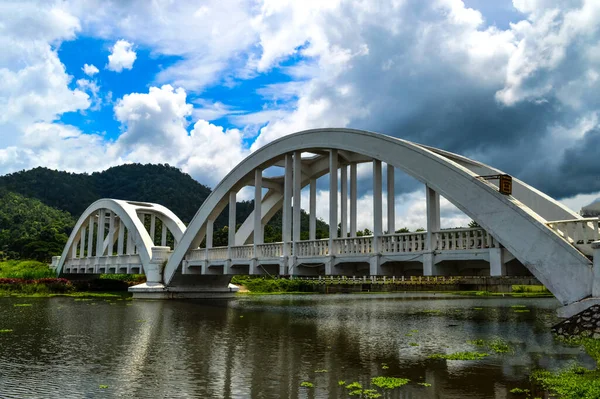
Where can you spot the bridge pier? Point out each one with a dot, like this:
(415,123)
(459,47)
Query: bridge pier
(497,264)
(429,266)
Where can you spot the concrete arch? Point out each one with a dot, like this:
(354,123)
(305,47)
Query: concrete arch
(557,264)
(127,211)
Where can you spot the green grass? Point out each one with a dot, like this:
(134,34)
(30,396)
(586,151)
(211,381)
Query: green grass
(460,356)
(389,382)
(25,269)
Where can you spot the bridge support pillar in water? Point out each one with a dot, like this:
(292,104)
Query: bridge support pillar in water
(497,265)
(193,286)
(429,266)
(574,308)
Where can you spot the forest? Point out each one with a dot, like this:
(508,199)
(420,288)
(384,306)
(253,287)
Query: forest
(39,207)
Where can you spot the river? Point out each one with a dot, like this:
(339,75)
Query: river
(267,346)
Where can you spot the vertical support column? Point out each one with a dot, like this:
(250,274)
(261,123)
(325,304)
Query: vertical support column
(111,234)
(432,198)
(121,238)
(296,222)
(596,270)
(100,233)
(90,243)
(497,265)
(82,243)
(353,192)
(258,227)
(286,227)
(344,200)
(163,235)
(312,223)
(377,204)
(130,242)
(333,199)
(232,218)
(74,248)
(210,223)
(391,200)
(152,227)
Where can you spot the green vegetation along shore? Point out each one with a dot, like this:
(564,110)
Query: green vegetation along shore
(33,278)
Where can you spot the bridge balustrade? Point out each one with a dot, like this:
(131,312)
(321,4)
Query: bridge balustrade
(579,232)
(242,252)
(312,247)
(402,242)
(459,239)
(270,250)
(217,253)
(353,246)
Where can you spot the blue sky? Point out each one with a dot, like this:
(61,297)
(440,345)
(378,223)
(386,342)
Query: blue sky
(202,84)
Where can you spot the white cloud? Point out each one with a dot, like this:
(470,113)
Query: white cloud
(122,56)
(90,69)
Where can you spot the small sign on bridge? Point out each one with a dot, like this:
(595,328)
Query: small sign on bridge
(504,182)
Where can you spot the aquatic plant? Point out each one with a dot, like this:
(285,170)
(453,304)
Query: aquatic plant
(22,304)
(354,385)
(414,331)
(413,344)
(518,306)
(103,386)
(369,394)
(576,381)
(389,382)
(477,308)
(519,391)
(341,382)
(424,384)
(321,371)
(6,330)
(499,346)
(460,356)
(521,310)
(384,366)
(307,384)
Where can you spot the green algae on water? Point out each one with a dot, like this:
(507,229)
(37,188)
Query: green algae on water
(354,385)
(6,330)
(460,356)
(307,384)
(22,305)
(424,384)
(389,382)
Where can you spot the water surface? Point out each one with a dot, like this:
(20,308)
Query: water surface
(266,346)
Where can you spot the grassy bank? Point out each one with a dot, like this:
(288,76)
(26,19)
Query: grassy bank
(33,278)
(268,285)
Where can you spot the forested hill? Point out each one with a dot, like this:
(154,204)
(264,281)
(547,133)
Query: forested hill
(73,192)
(39,207)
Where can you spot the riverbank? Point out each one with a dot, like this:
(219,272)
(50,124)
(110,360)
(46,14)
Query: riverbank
(472,286)
(35,279)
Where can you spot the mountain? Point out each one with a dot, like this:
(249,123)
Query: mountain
(73,192)
(45,195)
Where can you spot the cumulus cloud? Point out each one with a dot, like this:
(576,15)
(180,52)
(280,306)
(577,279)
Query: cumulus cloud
(90,69)
(122,56)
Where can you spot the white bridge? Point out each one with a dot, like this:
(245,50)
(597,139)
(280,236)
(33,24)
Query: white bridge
(523,233)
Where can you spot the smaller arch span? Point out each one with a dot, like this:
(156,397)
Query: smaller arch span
(111,226)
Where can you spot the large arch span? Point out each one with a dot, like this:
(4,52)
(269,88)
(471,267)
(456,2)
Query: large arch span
(517,222)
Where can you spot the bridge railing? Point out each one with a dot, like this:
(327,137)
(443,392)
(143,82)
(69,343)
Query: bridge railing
(458,239)
(353,245)
(403,242)
(217,253)
(270,250)
(242,252)
(579,232)
(312,248)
